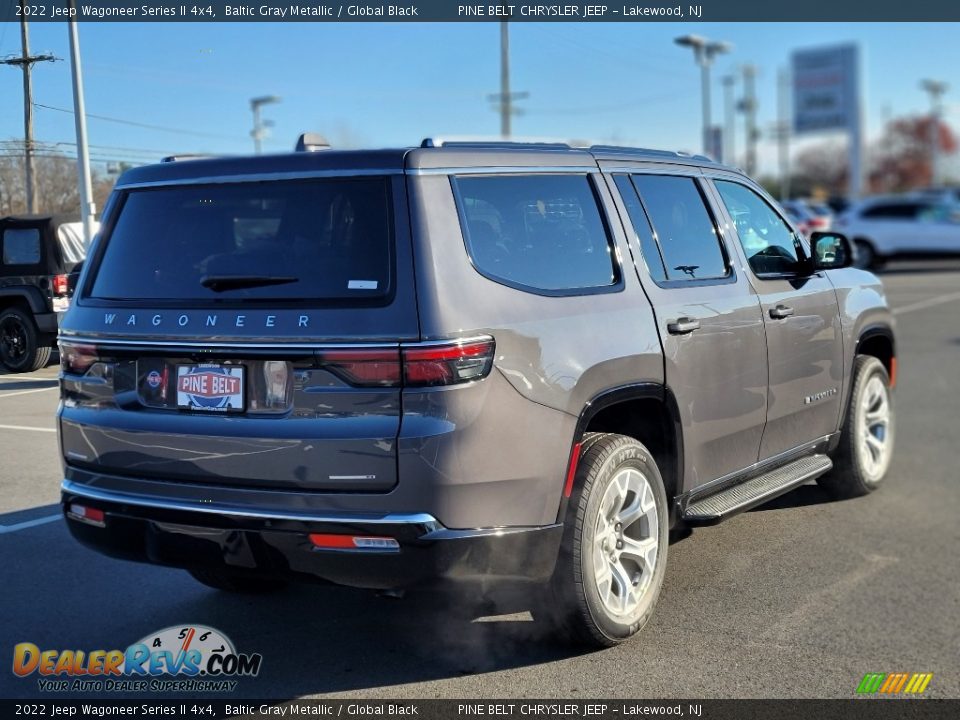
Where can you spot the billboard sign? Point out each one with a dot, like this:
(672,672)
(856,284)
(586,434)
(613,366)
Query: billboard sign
(825,89)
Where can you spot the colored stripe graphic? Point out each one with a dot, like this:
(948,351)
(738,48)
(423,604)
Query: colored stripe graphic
(871,683)
(894,683)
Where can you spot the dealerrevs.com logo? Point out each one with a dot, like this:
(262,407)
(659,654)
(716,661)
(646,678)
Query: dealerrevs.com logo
(182,658)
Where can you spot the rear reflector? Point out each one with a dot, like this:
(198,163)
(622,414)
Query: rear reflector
(893,372)
(571,471)
(353,542)
(90,515)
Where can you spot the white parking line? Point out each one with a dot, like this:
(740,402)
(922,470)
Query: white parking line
(25,427)
(924,304)
(29,524)
(27,392)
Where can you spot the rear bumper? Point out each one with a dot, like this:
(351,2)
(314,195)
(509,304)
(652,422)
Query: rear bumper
(195,535)
(47,323)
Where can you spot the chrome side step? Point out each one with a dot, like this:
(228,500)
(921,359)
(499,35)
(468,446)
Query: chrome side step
(721,505)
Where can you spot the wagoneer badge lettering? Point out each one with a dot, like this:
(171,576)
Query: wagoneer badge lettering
(238,320)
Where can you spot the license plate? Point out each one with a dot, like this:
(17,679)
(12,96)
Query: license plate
(210,387)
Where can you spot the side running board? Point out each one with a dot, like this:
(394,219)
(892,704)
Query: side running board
(721,505)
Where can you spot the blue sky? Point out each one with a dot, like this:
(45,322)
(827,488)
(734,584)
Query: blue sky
(392,84)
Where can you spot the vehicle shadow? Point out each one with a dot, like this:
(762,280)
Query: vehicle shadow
(803,496)
(914,268)
(31,384)
(314,639)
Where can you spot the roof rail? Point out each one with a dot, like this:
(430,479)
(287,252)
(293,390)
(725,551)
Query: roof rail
(650,151)
(185,156)
(436,142)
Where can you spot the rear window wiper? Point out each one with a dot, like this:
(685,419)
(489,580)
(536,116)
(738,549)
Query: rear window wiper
(219,283)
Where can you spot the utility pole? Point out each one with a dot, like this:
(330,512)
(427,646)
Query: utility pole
(729,128)
(25,62)
(503,101)
(88,209)
(749,107)
(936,89)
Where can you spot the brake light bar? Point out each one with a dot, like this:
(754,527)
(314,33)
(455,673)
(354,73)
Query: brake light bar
(412,365)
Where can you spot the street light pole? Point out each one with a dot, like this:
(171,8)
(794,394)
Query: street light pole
(936,89)
(259,127)
(704,51)
(729,128)
(87,207)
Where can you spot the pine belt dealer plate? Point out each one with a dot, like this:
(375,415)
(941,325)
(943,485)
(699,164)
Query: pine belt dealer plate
(210,387)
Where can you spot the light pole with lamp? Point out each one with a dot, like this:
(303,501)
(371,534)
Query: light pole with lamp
(260,126)
(704,51)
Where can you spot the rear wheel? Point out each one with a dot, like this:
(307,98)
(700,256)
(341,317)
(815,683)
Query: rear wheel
(866,446)
(229,581)
(614,549)
(20,349)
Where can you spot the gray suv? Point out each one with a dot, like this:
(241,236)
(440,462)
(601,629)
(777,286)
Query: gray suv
(498,364)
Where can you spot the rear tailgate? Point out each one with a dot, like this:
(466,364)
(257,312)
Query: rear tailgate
(244,333)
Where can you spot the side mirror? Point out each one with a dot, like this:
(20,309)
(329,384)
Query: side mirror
(831,251)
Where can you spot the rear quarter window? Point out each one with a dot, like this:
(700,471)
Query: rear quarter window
(537,232)
(21,246)
(327,239)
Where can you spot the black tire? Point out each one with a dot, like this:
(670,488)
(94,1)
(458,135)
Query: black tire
(865,256)
(572,601)
(20,348)
(855,469)
(234,582)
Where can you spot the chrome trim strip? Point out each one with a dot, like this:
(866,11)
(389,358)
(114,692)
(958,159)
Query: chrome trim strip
(232,344)
(505,169)
(430,524)
(260,177)
(746,472)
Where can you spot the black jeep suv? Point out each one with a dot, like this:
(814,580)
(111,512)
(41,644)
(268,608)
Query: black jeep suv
(37,255)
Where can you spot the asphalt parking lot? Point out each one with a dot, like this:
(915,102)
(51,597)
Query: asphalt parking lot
(799,598)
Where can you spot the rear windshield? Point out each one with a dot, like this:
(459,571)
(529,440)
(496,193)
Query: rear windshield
(327,239)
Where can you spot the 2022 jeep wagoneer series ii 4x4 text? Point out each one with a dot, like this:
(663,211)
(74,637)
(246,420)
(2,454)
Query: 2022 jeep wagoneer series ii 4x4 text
(494,363)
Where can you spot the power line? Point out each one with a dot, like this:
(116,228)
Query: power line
(133,123)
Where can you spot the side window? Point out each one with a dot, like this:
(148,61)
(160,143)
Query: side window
(21,247)
(542,232)
(893,211)
(770,245)
(641,226)
(687,236)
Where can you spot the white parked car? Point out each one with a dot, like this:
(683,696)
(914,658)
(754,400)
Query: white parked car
(882,228)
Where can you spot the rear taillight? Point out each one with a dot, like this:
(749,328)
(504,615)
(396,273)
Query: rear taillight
(364,368)
(447,363)
(60,284)
(76,358)
(413,365)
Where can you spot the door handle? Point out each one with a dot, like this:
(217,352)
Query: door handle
(780,312)
(683,325)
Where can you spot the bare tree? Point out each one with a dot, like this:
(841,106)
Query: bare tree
(57,191)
